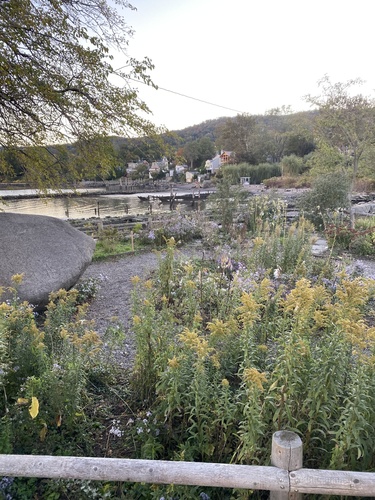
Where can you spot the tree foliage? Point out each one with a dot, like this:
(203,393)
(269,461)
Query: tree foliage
(198,151)
(238,135)
(58,84)
(345,123)
(260,139)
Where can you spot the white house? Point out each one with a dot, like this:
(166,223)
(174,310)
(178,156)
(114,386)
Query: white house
(223,158)
(180,169)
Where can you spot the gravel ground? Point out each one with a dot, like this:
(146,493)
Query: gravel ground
(113,302)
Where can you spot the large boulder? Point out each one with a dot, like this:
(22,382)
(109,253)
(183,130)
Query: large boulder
(48,251)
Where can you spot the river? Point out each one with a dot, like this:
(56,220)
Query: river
(84,207)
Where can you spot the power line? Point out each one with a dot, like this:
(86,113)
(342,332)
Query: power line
(187,96)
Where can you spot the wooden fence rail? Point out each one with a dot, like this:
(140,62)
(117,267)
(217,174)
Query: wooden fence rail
(286,479)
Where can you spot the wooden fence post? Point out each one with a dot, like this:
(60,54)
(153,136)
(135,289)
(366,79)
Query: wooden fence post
(287,454)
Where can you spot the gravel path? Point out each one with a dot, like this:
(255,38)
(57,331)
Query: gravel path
(113,302)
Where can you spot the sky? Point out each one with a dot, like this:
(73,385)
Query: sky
(246,55)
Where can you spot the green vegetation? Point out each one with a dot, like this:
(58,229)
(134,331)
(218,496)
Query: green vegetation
(56,72)
(111,242)
(329,195)
(256,173)
(254,336)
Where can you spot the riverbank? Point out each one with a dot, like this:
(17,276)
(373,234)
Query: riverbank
(23,191)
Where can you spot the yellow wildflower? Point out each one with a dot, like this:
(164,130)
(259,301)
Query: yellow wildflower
(188,267)
(249,309)
(18,278)
(258,241)
(352,296)
(193,341)
(320,319)
(221,328)
(265,288)
(173,362)
(253,377)
(64,334)
(225,382)
(4,307)
(135,279)
(148,284)
(215,360)
(198,318)
(301,299)
(136,320)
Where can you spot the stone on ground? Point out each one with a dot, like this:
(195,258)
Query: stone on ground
(49,252)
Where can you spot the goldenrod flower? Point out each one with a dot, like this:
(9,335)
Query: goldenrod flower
(249,311)
(17,278)
(265,288)
(198,318)
(189,268)
(173,362)
(198,344)
(148,284)
(253,377)
(136,320)
(258,241)
(320,319)
(4,307)
(221,328)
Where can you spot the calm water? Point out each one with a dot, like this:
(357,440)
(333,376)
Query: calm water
(84,207)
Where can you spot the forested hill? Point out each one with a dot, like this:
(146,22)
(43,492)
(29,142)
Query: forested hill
(208,128)
(211,128)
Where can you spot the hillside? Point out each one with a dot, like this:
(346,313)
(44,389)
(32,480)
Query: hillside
(210,129)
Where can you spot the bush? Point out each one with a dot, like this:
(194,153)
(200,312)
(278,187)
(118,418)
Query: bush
(292,165)
(257,173)
(329,194)
(357,241)
(287,182)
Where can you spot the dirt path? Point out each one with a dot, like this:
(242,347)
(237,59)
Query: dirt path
(113,303)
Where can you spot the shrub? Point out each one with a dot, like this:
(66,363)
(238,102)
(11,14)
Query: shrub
(357,241)
(287,182)
(44,371)
(292,165)
(257,173)
(329,193)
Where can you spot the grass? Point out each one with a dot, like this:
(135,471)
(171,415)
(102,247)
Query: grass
(103,251)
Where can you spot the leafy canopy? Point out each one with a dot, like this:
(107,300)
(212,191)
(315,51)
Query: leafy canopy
(58,84)
(345,123)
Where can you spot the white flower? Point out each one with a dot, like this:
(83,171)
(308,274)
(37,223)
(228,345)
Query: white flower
(115,430)
(277,273)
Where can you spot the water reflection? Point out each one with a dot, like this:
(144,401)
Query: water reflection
(83,207)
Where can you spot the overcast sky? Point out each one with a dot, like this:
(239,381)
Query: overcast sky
(247,55)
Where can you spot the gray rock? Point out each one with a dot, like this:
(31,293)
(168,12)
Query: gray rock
(48,251)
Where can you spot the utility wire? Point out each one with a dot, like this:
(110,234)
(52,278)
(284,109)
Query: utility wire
(186,96)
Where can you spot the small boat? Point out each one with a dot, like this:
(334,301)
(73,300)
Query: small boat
(167,198)
(148,198)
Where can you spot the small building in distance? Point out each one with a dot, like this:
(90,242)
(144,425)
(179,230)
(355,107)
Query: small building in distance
(225,157)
